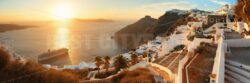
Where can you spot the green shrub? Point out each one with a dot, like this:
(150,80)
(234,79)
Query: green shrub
(209,37)
(140,75)
(16,71)
(4,59)
(201,47)
(178,32)
(178,48)
(105,74)
(190,37)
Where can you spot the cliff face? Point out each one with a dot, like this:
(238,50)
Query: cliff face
(169,21)
(133,35)
(147,28)
(10,27)
(140,26)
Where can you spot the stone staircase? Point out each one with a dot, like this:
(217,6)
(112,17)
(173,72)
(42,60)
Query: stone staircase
(235,73)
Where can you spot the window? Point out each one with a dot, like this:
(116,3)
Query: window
(217,20)
(222,20)
(211,19)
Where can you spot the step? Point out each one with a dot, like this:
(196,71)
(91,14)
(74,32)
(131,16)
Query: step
(231,79)
(237,64)
(237,76)
(238,70)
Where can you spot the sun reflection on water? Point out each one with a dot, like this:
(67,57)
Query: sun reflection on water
(62,37)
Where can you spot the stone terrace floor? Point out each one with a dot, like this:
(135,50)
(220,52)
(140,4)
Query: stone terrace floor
(202,66)
(168,59)
(175,63)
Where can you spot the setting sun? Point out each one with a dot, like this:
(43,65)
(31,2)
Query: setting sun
(62,12)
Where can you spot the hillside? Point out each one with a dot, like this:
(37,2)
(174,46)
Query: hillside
(10,27)
(91,20)
(147,28)
(169,21)
(132,35)
(140,26)
(17,71)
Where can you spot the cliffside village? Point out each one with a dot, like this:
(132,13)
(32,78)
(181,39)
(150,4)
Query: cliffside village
(177,59)
(213,47)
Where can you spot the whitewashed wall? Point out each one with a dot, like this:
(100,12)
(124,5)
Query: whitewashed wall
(219,63)
(180,67)
(165,69)
(196,42)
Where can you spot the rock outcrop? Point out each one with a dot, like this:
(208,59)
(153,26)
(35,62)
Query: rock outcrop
(133,35)
(148,28)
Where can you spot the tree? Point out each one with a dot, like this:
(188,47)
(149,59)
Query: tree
(134,59)
(98,62)
(120,62)
(4,58)
(107,63)
(242,9)
(145,54)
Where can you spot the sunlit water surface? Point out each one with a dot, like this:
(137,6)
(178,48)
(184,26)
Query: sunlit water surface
(84,41)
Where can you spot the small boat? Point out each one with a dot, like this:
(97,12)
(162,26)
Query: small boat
(58,57)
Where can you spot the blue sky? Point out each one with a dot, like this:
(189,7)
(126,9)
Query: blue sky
(114,9)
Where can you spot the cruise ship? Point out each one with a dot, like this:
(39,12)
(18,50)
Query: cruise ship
(57,57)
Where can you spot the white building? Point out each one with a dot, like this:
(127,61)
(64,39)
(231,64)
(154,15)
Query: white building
(194,25)
(240,27)
(232,62)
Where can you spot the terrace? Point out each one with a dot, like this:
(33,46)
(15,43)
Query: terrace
(237,63)
(232,35)
(175,63)
(169,59)
(200,68)
(240,54)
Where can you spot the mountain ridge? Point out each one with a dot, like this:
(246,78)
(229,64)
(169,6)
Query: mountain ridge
(148,28)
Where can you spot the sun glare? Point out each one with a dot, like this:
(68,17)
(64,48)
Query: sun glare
(62,12)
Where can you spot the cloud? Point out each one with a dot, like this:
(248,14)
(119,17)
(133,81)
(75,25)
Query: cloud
(220,2)
(169,5)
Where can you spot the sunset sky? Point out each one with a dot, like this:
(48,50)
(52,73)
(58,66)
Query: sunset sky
(36,10)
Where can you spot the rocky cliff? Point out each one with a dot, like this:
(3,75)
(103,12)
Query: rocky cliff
(133,35)
(148,28)
(169,21)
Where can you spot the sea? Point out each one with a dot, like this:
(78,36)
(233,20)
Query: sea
(85,41)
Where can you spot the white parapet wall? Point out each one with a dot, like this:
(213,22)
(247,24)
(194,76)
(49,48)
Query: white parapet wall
(196,42)
(165,69)
(180,67)
(218,72)
(219,64)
